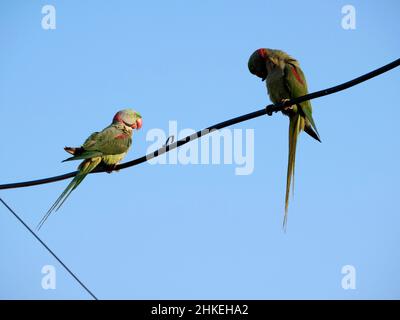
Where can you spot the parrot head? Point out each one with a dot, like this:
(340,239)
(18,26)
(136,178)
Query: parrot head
(263,60)
(257,63)
(129,118)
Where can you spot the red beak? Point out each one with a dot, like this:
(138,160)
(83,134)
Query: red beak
(138,123)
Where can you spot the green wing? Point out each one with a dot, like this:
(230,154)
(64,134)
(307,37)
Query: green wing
(296,84)
(111,141)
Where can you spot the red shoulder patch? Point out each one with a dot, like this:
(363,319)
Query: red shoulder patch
(297,76)
(121,136)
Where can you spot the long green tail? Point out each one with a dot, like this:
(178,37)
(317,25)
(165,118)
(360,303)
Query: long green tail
(84,168)
(295,126)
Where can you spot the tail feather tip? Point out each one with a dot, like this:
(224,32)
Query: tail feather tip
(70,150)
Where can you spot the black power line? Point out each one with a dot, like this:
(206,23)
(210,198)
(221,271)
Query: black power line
(49,250)
(267,110)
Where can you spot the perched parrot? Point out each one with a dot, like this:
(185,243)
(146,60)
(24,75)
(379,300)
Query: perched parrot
(285,80)
(107,147)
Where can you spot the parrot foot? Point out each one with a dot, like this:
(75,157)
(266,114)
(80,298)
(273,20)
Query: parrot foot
(288,107)
(287,110)
(111,168)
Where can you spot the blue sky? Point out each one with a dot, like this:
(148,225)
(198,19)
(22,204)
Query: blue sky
(200,231)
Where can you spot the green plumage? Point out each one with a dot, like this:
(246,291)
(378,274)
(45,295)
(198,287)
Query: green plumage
(107,147)
(285,80)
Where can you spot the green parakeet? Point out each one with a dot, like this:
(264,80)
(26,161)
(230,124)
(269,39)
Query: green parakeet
(285,80)
(107,147)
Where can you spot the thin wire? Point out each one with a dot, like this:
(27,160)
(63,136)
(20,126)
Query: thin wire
(269,110)
(49,250)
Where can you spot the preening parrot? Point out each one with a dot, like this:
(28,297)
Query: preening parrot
(285,80)
(107,147)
